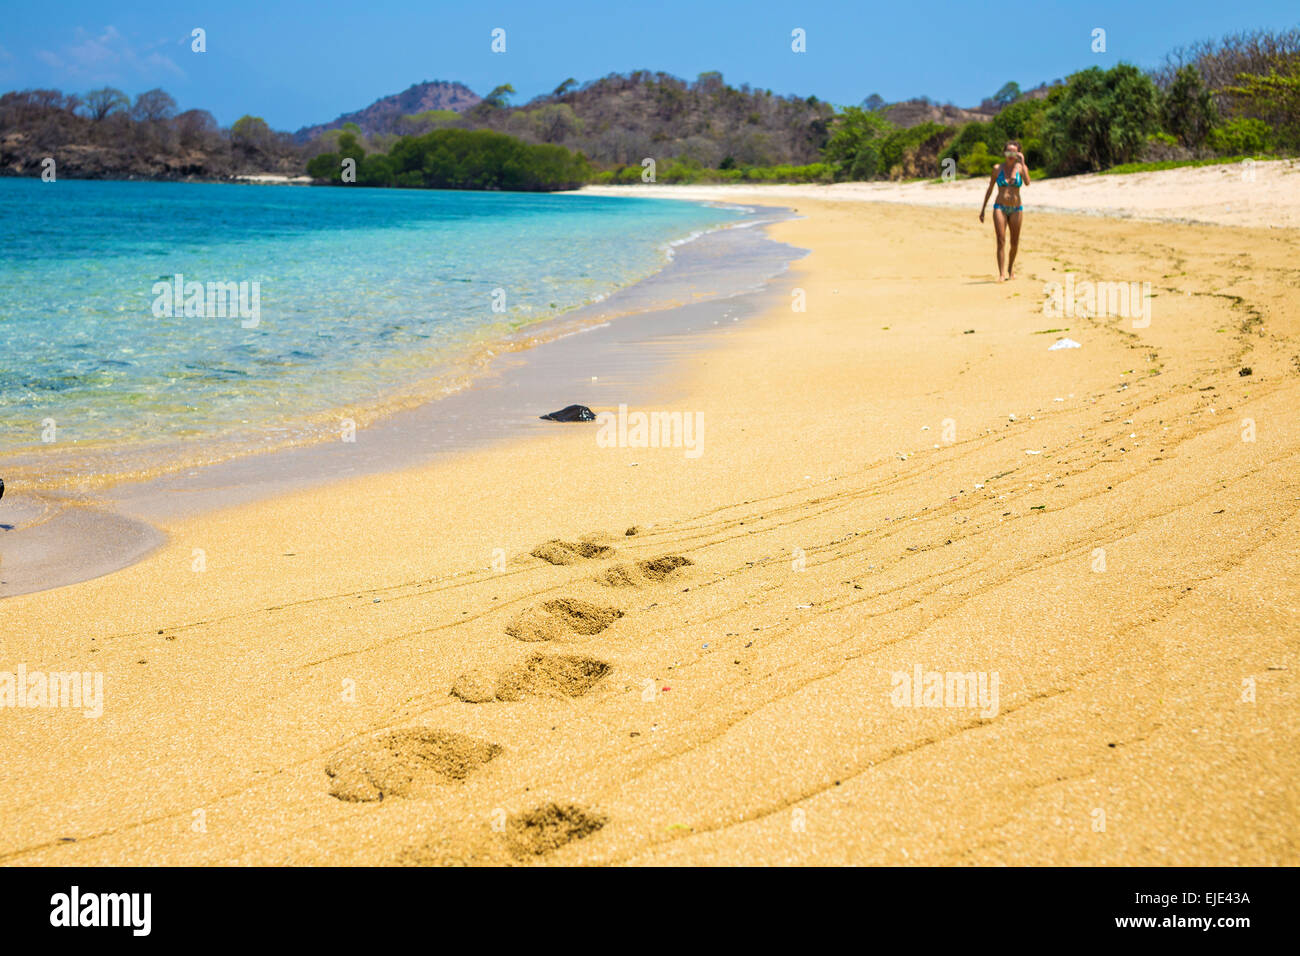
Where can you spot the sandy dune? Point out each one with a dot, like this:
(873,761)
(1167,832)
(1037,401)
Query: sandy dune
(901,476)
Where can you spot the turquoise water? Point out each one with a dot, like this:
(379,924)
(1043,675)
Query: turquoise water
(362,291)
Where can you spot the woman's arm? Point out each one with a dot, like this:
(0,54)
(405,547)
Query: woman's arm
(988,192)
(1024,167)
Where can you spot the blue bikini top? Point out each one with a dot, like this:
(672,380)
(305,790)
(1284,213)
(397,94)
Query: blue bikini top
(1002,180)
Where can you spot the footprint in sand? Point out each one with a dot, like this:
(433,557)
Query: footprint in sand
(560,618)
(545,829)
(542,675)
(566,552)
(526,838)
(397,764)
(641,573)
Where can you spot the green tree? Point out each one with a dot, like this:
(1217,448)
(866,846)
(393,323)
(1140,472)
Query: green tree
(972,138)
(1274,98)
(325,166)
(855,142)
(376,170)
(350,147)
(978,162)
(1187,108)
(466,159)
(1009,93)
(497,98)
(251,133)
(1022,121)
(1101,118)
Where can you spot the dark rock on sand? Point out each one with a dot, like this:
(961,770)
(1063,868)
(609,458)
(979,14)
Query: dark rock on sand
(570,413)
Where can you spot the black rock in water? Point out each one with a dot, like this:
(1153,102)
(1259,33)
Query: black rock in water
(570,413)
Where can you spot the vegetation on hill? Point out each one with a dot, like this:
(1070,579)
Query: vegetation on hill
(454,159)
(1218,99)
(1239,96)
(692,130)
(105,135)
(621,119)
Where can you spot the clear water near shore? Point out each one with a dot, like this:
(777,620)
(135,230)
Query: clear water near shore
(363,293)
(76,510)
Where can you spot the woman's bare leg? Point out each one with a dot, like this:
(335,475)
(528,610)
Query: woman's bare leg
(1000,227)
(1013,226)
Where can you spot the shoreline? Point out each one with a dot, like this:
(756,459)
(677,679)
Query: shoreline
(462,363)
(112,520)
(836,538)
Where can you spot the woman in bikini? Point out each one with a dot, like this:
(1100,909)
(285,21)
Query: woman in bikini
(1009,176)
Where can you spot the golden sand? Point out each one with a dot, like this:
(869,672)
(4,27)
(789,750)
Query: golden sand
(902,477)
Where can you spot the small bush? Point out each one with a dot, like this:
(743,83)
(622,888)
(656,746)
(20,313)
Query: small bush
(978,162)
(1241,137)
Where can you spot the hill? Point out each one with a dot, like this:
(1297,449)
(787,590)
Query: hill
(624,118)
(911,113)
(103,135)
(383,115)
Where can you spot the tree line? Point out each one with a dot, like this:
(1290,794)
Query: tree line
(106,134)
(1238,96)
(454,159)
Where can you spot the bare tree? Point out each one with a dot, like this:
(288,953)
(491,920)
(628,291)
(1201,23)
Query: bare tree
(100,103)
(153,106)
(1220,62)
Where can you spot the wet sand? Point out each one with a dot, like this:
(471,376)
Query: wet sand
(900,476)
(75,513)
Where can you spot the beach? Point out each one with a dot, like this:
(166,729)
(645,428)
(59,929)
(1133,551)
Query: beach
(892,475)
(1260,194)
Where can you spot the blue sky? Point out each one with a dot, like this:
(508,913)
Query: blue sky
(297,63)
